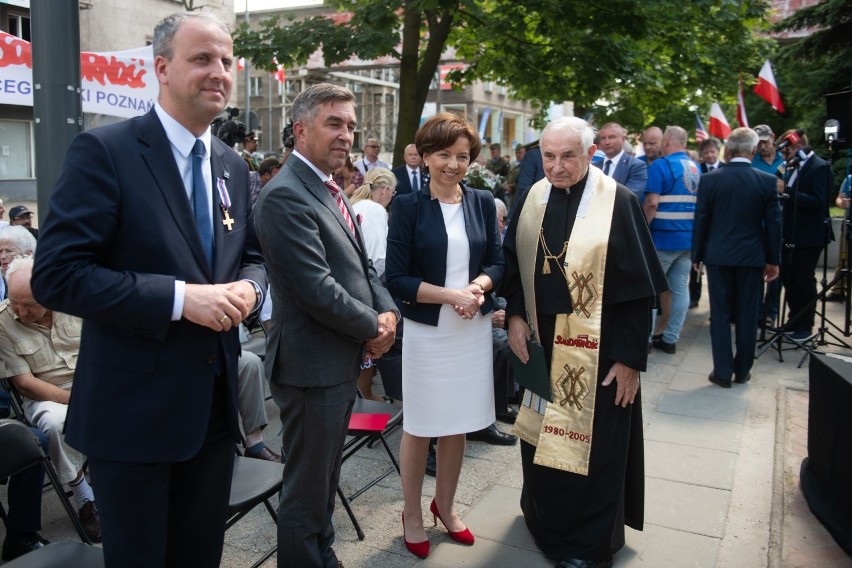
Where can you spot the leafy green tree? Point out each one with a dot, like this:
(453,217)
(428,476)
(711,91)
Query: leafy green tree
(818,64)
(631,61)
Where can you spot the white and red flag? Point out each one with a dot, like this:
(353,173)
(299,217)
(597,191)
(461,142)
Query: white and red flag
(279,73)
(719,126)
(742,119)
(767,89)
(241,63)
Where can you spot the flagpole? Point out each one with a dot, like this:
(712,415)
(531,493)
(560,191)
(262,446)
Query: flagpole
(269,136)
(248,83)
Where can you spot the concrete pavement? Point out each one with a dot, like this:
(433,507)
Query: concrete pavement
(721,481)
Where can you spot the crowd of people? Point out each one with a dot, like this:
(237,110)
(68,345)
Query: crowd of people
(582,255)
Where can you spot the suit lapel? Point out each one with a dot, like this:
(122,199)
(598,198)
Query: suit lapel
(157,154)
(318,189)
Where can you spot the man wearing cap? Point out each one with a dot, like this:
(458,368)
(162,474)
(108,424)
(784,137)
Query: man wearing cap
(767,158)
(20,215)
(249,148)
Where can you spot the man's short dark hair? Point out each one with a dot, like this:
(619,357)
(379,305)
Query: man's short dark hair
(267,165)
(712,141)
(495,146)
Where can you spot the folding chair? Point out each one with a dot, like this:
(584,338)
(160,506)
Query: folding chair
(20,450)
(370,422)
(61,554)
(17,403)
(254,482)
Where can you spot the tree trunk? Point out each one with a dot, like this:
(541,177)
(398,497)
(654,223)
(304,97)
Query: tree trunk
(416,73)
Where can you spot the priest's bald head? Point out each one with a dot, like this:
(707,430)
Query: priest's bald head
(567,147)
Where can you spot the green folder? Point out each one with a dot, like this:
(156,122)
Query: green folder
(533,375)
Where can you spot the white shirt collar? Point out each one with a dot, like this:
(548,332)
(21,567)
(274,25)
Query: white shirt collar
(615,160)
(323,177)
(181,138)
(740,159)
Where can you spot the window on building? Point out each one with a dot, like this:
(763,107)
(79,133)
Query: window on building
(16,158)
(19,26)
(256,87)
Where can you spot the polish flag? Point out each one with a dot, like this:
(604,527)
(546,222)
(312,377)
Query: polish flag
(241,63)
(280,75)
(767,89)
(719,126)
(742,119)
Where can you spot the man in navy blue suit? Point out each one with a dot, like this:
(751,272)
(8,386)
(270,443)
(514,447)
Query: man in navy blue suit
(409,174)
(737,235)
(149,239)
(618,164)
(807,183)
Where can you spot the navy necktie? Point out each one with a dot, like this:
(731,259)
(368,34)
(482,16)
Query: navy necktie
(607,166)
(711,168)
(414,185)
(199,202)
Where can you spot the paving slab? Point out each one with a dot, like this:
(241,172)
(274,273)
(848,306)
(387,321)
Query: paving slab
(693,431)
(690,464)
(701,404)
(685,507)
(663,547)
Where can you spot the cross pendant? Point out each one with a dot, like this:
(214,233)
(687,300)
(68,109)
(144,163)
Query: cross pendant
(227,221)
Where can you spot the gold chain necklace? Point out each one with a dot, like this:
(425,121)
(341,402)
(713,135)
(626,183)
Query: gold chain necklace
(548,256)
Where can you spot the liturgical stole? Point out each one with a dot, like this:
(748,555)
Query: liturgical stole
(562,430)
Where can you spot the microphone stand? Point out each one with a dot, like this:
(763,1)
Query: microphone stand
(779,334)
(820,338)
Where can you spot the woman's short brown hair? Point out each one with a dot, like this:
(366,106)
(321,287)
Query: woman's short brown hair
(443,130)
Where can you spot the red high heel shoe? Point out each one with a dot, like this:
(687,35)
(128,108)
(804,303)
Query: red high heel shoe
(418,549)
(464,537)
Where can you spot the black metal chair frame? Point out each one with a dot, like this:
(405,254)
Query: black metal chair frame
(360,438)
(21,451)
(254,482)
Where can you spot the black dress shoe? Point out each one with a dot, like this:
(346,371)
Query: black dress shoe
(742,381)
(18,545)
(264,454)
(663,346)
(90,520)
(508,416)
(725,384)
(577,563)
(492,435)
(431,463)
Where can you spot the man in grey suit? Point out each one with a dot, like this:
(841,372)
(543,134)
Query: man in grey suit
(737,235)
(330,313)
(618,164)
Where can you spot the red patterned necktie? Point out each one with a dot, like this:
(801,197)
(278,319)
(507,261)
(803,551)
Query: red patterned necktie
(337,194)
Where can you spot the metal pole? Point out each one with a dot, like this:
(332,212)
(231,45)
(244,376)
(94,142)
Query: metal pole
(269,100)
(57,108)
(247,110)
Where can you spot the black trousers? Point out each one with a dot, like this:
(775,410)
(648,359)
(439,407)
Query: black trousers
(797,275)
(168,514)
(734,298)
(504,379)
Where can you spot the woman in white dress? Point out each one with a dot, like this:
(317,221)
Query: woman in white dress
(443,257)
(369,203)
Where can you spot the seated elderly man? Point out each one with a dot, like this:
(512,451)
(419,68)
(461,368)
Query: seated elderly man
(14,241)
(39,348)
